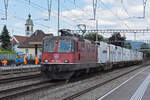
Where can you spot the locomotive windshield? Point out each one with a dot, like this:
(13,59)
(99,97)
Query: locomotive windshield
(49,46)
(64,46)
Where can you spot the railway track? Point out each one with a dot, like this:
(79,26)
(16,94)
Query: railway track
(30,88)
(13,92)
(18,71)
(18,78)
(76,95)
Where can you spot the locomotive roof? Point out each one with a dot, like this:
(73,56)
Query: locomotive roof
(68,38)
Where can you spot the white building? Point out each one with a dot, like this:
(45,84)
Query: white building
(29,26)
(31,44)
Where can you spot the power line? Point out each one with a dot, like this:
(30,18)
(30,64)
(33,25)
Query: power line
(124,8)
(144,9)
(114,14)
(38,6)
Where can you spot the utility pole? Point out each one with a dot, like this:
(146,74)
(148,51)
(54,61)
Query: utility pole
(144,6)
(134,36)
(12,40)
(6,8)
(97,30)
(49,2)
(58,15)
(94,8)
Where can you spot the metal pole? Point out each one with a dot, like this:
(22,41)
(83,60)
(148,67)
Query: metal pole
(134,36)
(96,30)
(144,4)
(12,40)
(58,15)
(6,8)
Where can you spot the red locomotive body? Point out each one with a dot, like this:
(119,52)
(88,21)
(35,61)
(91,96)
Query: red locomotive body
(63,56)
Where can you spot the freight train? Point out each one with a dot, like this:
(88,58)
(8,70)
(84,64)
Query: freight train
(69,54)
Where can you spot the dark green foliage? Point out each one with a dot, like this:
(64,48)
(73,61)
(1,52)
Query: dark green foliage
(117,40)
(92,36)
(8,52)
(5,39)
(144,46)
(128,46)
(144,49)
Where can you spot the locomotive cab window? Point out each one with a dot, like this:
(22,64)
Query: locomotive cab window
(74,46)
(49,46)
(82,47)
(64,46)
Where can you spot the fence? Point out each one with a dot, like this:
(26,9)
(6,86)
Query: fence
(8,56)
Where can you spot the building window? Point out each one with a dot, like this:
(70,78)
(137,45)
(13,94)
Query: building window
(27,51)
(27,28)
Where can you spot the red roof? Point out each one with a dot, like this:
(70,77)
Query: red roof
(20,39)
(37,36)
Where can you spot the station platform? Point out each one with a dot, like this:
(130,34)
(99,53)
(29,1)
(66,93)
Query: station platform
(135,88)
(13,67)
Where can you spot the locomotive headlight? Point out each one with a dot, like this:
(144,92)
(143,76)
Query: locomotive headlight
(46,61)
(66,61)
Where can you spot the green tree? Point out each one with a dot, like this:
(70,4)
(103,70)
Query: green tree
(5,39)
(92,36)
(144,46)
(117,39)
(128,46)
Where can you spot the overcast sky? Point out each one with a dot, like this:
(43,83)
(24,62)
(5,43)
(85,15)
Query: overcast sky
(111,14)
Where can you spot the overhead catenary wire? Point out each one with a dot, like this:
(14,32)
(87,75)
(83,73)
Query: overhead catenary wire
(144,9)
(140,17)
(125,8)
(40,7)
(22,19)
(122,21)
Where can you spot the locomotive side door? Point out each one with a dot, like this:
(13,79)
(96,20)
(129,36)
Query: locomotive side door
(79,51)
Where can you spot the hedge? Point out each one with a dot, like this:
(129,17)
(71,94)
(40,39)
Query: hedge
(9,52)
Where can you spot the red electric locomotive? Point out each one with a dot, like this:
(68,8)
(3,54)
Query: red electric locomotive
(64,56)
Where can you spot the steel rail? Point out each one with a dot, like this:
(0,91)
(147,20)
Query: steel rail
(17,91)
(18,78)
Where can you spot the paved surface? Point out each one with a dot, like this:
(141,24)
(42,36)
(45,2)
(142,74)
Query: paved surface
(18,67)
(135,88)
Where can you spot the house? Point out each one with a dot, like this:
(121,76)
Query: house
(16,40)
(32,46)
(31,43)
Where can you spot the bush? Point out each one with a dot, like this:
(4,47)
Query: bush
(8,52)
